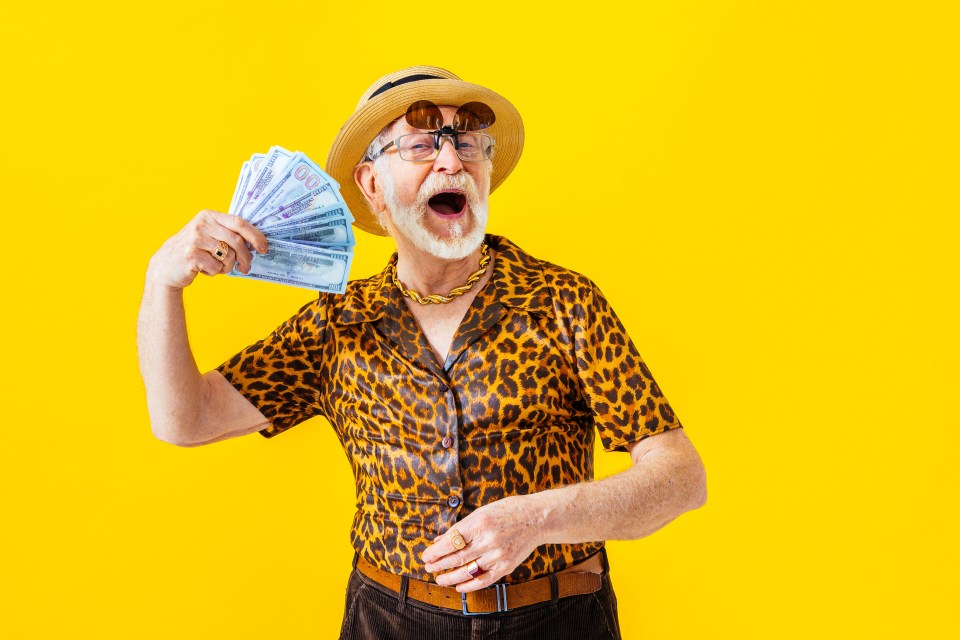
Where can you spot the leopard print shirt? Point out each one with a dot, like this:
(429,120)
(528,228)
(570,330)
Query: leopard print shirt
(539,361)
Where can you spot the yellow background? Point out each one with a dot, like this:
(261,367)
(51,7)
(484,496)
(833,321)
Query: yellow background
(766,191)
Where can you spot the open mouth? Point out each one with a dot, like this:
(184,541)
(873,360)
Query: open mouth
(448,203)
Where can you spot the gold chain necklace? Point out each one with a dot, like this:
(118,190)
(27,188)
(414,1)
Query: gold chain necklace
(436,298)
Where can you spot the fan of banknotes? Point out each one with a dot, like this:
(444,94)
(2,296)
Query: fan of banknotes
(299,209)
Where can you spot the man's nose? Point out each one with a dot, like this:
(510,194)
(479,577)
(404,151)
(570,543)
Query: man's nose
(447,161)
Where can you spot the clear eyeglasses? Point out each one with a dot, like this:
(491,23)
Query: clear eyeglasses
(425,146)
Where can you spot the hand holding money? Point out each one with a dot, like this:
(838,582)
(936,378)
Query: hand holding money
(298,207)
(189,252)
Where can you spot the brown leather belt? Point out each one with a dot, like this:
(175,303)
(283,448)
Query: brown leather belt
(575,580)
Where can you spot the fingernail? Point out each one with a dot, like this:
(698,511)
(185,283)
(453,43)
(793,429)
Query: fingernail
(263,248)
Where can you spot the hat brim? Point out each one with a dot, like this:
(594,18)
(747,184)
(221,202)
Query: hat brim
(369,119)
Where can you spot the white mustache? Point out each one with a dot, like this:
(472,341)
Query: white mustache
(437,182)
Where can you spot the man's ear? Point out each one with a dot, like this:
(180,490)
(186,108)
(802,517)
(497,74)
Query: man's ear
(366,178)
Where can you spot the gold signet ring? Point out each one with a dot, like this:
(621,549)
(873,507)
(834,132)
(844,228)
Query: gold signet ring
(221,251)
(457,540)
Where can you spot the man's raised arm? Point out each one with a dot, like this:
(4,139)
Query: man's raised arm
(187,408)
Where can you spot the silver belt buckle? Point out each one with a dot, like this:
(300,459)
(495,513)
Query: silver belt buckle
(501,602)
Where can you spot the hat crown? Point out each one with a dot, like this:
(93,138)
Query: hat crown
(396,76)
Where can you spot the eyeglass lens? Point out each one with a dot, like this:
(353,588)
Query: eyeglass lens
(423,114)
(425,146)
(473,116)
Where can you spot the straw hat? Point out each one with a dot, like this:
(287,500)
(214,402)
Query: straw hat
(387,99)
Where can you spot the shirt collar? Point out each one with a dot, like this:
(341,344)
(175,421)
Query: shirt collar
(517,281)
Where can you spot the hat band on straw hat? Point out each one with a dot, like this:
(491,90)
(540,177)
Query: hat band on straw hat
(391,85)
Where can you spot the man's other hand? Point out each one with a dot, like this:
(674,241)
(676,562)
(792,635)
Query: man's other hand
(499,536)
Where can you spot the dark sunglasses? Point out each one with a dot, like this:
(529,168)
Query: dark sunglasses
(472,116)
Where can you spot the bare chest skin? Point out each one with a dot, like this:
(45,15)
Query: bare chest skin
(439,322)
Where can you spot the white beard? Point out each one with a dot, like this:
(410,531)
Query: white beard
(409,219)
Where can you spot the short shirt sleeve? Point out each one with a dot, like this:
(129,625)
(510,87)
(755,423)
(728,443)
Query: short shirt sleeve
(625,400)
(280,374)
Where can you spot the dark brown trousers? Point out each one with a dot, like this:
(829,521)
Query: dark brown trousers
(373,612)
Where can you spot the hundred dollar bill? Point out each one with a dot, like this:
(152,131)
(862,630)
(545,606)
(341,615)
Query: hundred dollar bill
(319,198)
(309,217)
(299,177)
(276,159)
(338,232)
(300,265)
(329,247)
(249,168)
(238,189)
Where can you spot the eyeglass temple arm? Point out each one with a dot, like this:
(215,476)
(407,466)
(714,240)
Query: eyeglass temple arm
(385,147)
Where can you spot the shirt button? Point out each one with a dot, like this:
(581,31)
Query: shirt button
(444,388)
(453,501)
(447,442)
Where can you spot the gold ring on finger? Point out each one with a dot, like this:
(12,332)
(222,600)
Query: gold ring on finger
(221,251)
(456,539)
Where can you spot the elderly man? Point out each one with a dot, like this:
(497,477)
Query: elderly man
(465,382)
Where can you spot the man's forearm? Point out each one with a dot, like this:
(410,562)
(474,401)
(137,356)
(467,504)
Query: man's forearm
(173,382)
(629,505)
(179,398)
